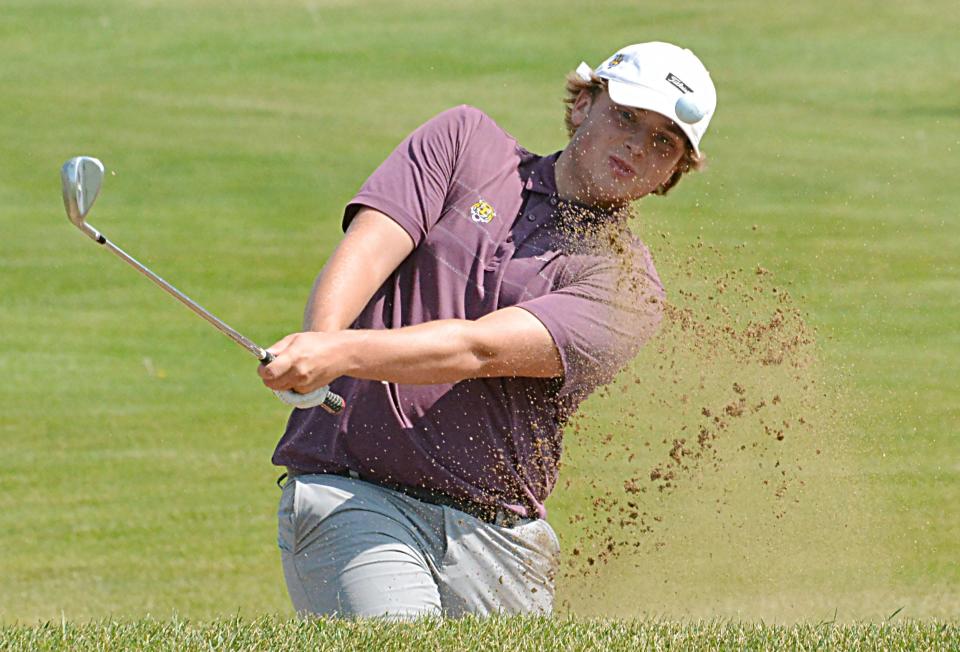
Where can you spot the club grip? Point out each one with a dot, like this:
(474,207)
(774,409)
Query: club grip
(332,403)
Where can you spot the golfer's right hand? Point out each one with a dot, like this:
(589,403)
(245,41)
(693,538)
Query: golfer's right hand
(304,362)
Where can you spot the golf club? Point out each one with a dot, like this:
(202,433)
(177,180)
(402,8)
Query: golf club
(82,177)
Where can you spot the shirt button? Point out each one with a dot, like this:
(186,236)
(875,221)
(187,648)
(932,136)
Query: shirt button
(531,217)
(553,200)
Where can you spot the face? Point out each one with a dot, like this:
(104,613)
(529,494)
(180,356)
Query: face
(618,153)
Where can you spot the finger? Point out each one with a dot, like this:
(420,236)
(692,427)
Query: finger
(282,344)
(306,388)
(282,383)
(279,384)
(276,370)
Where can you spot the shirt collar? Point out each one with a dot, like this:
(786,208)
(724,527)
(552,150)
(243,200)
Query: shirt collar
(539,176)
(538,172)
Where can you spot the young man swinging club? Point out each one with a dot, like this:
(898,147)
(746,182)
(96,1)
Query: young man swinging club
(479,294)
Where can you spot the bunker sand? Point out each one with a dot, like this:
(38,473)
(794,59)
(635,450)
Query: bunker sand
(719,464)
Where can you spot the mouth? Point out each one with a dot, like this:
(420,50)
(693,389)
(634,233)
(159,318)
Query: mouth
(621,168)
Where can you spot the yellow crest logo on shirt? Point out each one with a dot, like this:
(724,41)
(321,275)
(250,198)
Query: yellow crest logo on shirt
(482,212)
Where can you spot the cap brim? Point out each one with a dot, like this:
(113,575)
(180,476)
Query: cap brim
(642,97)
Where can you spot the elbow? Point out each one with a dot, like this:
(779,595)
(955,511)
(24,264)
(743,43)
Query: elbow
(482,357)
(499,352)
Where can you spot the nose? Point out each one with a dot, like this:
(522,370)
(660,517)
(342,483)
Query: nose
(636,142)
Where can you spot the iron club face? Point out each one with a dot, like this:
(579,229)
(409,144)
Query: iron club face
(81,179)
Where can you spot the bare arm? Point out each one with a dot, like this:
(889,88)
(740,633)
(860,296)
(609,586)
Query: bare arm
(507,342)
(372,248)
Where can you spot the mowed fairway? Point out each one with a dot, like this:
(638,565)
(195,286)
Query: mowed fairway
(468,634)
(135,440)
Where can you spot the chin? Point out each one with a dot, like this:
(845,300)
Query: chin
(625,197)
(611,193)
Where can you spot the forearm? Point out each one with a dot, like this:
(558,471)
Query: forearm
(510,342)
(336,298)
(370,251)
(442,351)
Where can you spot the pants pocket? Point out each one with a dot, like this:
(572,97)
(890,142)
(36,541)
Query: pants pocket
(491,569)
(286,517)
(543,551)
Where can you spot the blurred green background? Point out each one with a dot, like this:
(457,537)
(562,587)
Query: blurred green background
(136,440)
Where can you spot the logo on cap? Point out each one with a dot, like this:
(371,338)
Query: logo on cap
(482,212)
(616,61)
(676,81)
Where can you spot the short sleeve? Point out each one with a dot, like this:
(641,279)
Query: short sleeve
(411,184)
(600,319)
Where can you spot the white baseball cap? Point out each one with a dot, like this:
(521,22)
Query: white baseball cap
(663,78)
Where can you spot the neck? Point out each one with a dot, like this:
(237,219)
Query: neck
(573,188)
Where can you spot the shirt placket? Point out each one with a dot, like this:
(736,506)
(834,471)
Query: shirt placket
(539,212)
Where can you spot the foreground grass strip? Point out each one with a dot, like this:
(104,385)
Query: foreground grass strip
(516,633)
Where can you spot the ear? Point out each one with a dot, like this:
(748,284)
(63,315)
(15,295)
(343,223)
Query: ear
(580,108)
(670,181)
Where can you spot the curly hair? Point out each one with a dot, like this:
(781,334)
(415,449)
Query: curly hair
(575,85)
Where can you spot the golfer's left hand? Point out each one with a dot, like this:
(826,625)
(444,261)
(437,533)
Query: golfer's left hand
(303,362)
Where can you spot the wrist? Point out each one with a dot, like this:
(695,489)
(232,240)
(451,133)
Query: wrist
(350,345)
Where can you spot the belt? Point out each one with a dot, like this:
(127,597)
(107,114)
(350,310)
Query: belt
(488,513)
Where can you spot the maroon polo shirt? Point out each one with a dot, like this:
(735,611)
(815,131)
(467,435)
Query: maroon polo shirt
(490,232)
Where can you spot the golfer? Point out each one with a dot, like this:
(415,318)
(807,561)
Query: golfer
(479,294)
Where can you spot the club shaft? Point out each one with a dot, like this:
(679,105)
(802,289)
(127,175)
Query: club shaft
(260,353)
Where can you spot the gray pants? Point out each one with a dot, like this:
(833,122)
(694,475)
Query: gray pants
(354,549)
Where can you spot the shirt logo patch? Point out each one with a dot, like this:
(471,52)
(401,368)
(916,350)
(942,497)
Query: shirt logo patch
(482,212)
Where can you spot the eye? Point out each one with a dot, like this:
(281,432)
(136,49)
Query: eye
(663,140)
(626,116)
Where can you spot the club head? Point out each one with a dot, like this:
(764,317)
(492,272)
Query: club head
(82,177)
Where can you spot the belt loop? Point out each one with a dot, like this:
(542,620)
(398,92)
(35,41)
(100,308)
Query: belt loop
(283,476)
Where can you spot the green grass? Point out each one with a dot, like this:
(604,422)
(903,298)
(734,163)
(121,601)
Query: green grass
(136,441)
(476,634)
